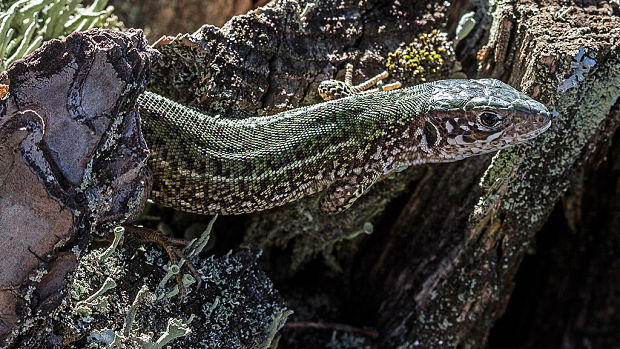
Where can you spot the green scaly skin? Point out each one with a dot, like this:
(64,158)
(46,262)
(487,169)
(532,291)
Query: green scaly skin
(209,165)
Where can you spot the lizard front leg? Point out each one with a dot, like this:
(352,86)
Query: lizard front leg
(342,194)
(335,89)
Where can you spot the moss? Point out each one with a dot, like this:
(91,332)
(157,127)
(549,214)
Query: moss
(428,57)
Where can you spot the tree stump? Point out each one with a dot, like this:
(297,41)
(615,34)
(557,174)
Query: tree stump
(430,258)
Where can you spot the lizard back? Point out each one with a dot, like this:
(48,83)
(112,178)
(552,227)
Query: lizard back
(209,165)
(205,164)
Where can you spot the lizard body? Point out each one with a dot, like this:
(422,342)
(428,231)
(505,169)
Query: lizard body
(210,165)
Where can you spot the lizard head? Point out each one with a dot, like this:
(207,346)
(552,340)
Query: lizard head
(470,117)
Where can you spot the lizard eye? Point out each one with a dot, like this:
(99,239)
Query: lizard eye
(488,119)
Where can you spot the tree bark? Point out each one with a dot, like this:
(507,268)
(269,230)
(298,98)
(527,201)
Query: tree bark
(439,269)
(443,273)
(448,240)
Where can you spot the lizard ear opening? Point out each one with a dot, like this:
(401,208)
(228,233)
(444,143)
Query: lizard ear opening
(431,133)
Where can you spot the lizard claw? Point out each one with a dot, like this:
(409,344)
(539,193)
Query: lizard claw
(334,89)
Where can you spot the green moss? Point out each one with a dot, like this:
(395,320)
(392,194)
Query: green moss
(428,57)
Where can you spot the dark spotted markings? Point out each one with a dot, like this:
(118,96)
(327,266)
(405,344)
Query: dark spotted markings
(431,133)
(209,165)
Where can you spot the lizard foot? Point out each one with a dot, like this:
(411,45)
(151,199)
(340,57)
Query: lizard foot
(334,89)
(345,192)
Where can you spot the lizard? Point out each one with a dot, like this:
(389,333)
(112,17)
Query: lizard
(209,165)
(341,147)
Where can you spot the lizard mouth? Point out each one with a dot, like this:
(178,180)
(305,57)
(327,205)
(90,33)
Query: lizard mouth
(534,133)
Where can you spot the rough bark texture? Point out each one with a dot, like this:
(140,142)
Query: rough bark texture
(438,272)
(440,267)
(445,281)
(73,164)
(73,135)
(566,294)
(273,59)
(167,17)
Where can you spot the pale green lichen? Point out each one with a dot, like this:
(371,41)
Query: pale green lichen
(114,339)
(303,15)
(277,321)
(523,184)
(187,280)
(92,265)
(174,269)
(466,24)
(26,24)
(176,328)
(345,340)
(131,314)
(366,229)
(38,275)
(118,234)
(195,247)
(233,307)
(95,301)
(587,103)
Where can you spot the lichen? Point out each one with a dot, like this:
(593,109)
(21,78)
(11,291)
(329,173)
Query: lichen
(588,100)
(345,340)
(195,247)
(428,57)
(237,307)
(523,183)
(26,24)
(466,24)
(118,234)
(95,301)
(580,66)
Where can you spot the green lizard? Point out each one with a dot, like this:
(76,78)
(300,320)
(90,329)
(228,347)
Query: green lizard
(211,165)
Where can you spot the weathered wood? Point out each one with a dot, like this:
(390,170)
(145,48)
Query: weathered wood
(567,292)
(439,268)
(443,273)
(438,271)
(73,166)
(69,142)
